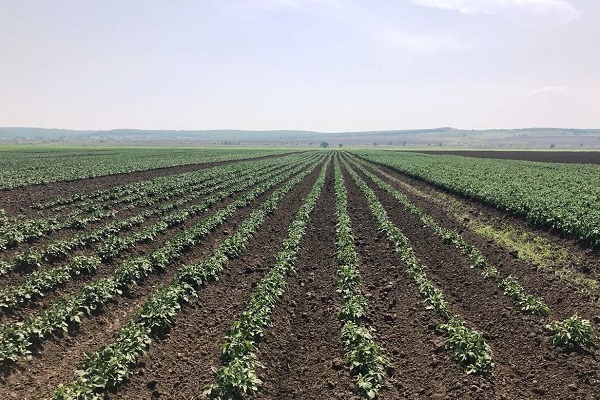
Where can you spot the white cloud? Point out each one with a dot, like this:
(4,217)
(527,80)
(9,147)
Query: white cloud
(378,27)
(547,90)
(417,43)
(562,9)
(252,8)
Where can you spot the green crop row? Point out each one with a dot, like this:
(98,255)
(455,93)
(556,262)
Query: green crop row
(582,336)
(365,358)
(18,230)
(111,248)
(16,339)
(107,234)
(156,187)
(528,303)
(15,231)
(565,197)
(113,363)
(237,376)
(23,167)
(44,281)
(468,346)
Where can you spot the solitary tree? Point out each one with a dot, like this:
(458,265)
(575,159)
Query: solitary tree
(324,145)
(341,144)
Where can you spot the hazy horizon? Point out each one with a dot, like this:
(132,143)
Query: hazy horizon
(315,65)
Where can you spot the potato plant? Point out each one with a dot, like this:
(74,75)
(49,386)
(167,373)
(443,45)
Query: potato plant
(237,376)
(113,363)
(15,339)
(473,352)
(529,303)
(365,358)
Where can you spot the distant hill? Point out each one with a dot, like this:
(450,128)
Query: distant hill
(439,137)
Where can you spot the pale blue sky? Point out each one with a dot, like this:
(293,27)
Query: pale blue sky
(328,65)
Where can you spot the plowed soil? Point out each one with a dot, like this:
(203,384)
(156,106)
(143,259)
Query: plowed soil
(301,351)
(16,201)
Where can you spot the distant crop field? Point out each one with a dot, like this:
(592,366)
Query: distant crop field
(573,157)
(22,166)
(181,273)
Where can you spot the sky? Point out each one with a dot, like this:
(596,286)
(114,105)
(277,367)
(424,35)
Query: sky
(322,65)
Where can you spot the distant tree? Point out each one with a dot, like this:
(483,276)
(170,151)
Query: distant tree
(341,145)
(552,146)
(404,143)
(324,145)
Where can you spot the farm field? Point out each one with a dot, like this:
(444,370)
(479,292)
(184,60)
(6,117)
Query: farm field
(300,275)
(43,164)
(557,156)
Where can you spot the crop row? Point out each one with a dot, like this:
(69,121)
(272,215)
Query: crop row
(18,230)
(15,231)
(115,245)
(237,375)
(17,339)
(114,362)
(365,358)
(468,346)
(20,168)
(58,249)
(153,188)
(578,333)
(42,282)
(528,303)
(559,196)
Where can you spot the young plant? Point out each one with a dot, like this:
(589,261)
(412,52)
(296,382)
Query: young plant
(573,333)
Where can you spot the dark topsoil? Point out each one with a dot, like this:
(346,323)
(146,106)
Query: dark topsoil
(56,360)
(179,365)
(526,364)
(302,352)
(17,201)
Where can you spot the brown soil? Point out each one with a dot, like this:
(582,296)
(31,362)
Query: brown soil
(61,234)
(106,269)
(178,366)
(561,298)
(302,352)
(419,367)
(17,201)
(588,157)
(33,379)
(527,365)
(589,256)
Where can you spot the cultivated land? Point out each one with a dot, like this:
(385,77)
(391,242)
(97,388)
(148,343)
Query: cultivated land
(313,275)
(578,157)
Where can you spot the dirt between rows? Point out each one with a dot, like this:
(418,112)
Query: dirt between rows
(583,157)
(107,268)
(120,214)
(179,365)
(17,201)
(526,364)
(302,351)
(59,357)
(563,299)
(419,367)
(590,258)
